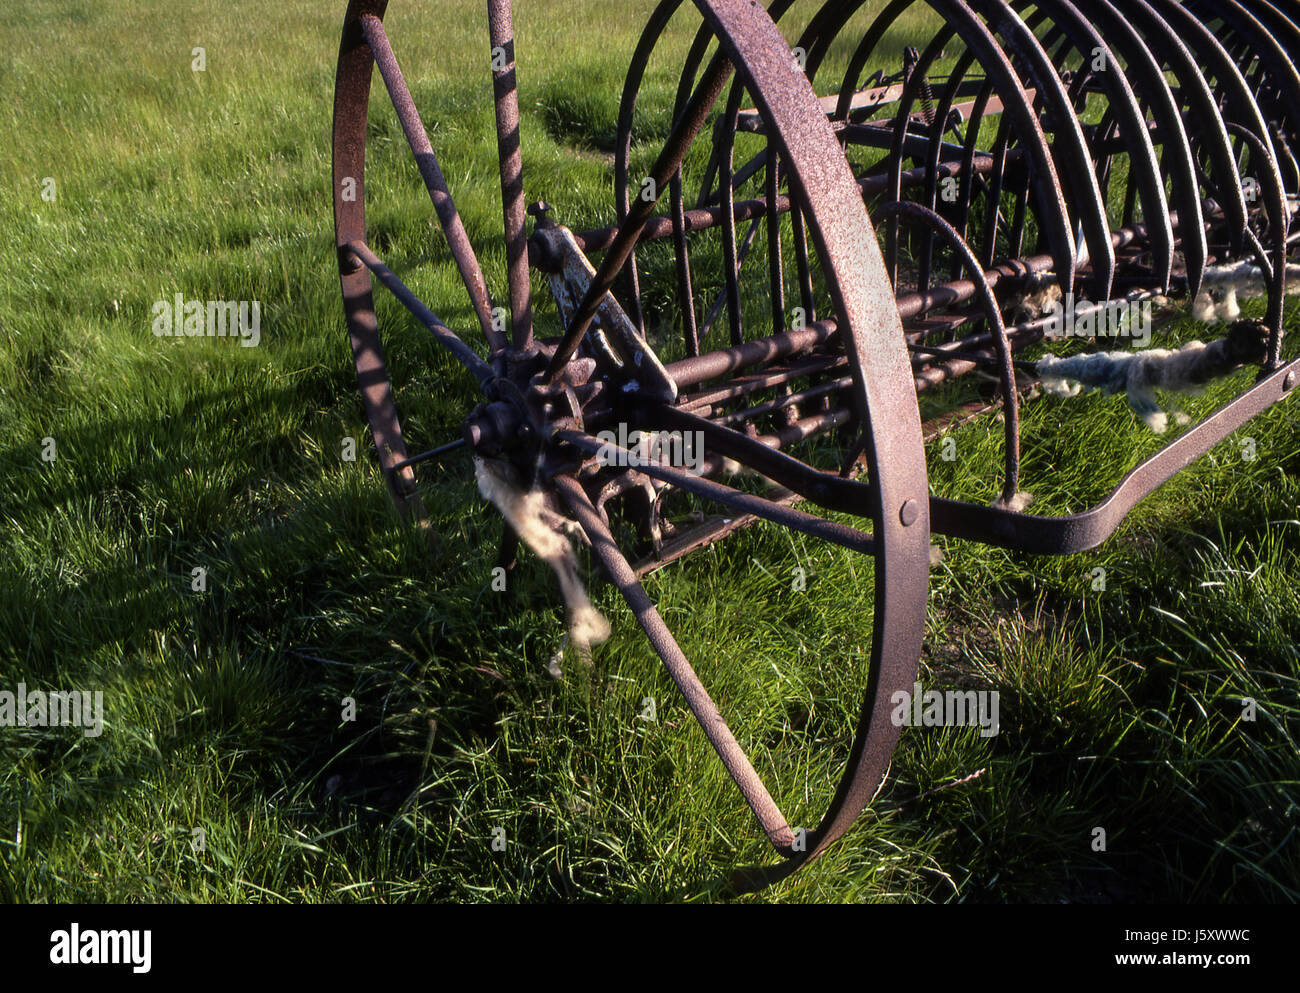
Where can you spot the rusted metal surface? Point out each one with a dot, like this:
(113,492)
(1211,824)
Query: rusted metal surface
(501,34)
(803,163)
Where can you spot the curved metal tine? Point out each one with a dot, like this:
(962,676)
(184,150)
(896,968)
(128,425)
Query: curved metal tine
(679,667)
(1016,236)
(505,91)
(775,262)
(1230,85)
(1282,19)
(1053,212)
(993,208)
(966,192)
(935,150)
(683,133)
(828,24)
(1107,133)
(802,265)
(941,125)
(1203,118)
(471,273)
(1069,145)
(898,149)
(650,35)
(721,300)
(682,257)
(806,298)
(778,10)
(708,196)
(1264,45)
(1135,134)
(1157,99)
(993,314)
(441,333)
(1278,221)
(677,202)
(727,194)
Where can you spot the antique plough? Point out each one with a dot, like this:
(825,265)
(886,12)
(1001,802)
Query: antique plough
(1118,151)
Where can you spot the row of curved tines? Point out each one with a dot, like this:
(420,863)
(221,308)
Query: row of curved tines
(988,267)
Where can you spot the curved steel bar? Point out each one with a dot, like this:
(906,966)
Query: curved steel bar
(1006,370)
(1017,109)
(872,335)
(1080,532)
(1133,130)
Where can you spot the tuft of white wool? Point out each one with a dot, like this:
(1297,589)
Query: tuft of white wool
(588,626)
(1229,309)
(1157,421)
(1035,303)
(553,666)
(544,531)
(1018,504)
(1231,282)
(1203,308)
(1135,374)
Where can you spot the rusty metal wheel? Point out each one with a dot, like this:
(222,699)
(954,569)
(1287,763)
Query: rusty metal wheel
(845,378)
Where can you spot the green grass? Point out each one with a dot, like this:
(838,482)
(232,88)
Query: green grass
(1119,709)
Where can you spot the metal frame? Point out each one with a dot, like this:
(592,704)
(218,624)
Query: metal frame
(878,344)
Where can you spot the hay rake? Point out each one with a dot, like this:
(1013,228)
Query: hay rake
(990,182)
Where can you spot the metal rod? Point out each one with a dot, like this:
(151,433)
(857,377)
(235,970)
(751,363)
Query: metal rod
(471,273)
(441,333)
(629,232)
(506,95)
(433,454)
(679,667)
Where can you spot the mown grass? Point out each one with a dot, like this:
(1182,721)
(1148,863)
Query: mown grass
(1120,708)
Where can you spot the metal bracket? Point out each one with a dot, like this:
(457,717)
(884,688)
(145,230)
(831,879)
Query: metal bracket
(614,338)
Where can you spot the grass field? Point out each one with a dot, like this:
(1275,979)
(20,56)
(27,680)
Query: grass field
(224,710)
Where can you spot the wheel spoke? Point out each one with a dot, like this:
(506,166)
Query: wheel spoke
(441,333)
(679,667)
(448,216)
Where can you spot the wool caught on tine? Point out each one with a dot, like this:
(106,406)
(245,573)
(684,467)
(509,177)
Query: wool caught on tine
(819,238)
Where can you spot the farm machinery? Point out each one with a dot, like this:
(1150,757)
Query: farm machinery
(818,246)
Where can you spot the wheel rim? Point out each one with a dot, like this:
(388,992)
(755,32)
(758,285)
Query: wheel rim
(870,332)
